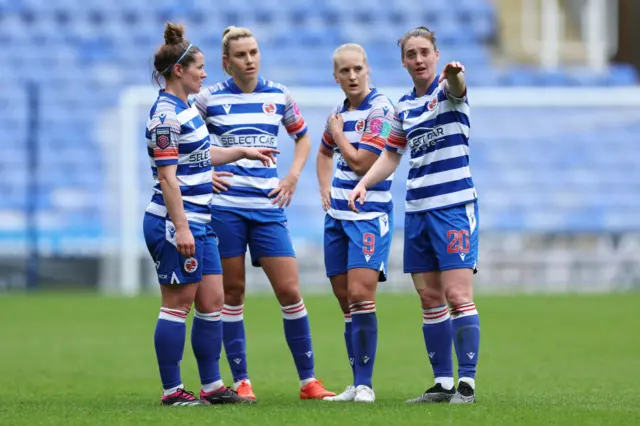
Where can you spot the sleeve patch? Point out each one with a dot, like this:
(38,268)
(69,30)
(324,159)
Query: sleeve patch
(163,137)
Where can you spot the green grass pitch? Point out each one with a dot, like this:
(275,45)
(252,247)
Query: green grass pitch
(544,360)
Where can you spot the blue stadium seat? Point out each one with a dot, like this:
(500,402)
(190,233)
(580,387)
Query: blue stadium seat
(84,52)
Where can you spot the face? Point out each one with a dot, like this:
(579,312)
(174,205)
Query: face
(351,72)
(243,61)
(193,74)
(420,58)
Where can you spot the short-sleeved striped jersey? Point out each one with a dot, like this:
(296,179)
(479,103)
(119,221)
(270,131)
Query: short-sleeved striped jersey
(366,127)
(435,128)
(176,134)
(237,119)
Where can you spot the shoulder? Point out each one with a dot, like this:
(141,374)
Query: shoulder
(408,96)
(270,86)
(380,101)
(164,113)
(220,88)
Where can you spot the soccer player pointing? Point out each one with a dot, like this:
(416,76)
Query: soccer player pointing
(176,224)
(441,222)
(356,246)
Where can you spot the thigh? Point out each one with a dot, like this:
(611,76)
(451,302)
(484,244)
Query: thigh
(269,237)
(211,256)
(454,234)
(419,254)
(369,244)
(232,230)
(171,266)
(336,244)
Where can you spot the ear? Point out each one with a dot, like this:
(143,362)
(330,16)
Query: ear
(437,54)
(335,77)
(178,70)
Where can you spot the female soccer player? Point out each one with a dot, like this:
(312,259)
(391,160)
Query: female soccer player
(247,110)
(441,222)
(356,246)
(176,224)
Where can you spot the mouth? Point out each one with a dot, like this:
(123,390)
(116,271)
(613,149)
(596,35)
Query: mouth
(353,86)
(421,69)
(250,69)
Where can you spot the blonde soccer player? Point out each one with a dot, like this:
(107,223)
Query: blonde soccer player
(177,226)
(246,111)
(441,222)
(356,246)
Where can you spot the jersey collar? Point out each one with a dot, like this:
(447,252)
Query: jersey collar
(175,99)
(364,105)
(235,89)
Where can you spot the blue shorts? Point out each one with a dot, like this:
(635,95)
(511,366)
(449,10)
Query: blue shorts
(442,239)
(264,231)
(350,244)
(172,267)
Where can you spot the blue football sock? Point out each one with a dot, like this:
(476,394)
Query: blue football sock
(348,326)
(364,340)
(234,341)
(465,325)
(298,335)
(436,329)
(169,340)
(206,341)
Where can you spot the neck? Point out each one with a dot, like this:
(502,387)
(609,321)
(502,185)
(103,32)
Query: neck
(246,86)
(356,100)
(177,91)
(421,86)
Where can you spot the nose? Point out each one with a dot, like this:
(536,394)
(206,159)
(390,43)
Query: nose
(352,76)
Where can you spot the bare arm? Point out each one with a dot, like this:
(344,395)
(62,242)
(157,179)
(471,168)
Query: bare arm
(300,155)
(220,156)
(453,73)
(173,200)
(324,167)
(381,169)
(359,160)
(286,188)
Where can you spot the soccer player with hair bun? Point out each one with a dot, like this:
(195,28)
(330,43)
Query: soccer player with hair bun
(247,110)
(441,221)
(177,226)
(356,246)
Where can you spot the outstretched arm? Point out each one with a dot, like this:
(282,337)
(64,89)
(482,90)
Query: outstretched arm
(220,156)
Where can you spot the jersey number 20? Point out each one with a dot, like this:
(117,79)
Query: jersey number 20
(458,241)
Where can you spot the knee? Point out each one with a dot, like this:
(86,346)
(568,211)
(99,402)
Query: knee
(234,294)
(361,292)
(342,297)
(181,305)
(432,297)
(288,294)
(458,294)
(213,304)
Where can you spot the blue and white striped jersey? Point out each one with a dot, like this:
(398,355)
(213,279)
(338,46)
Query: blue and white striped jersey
(366,127)
(176,134)
(237,119)
(435,127)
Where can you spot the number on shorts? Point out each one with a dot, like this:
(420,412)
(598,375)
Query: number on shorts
(459,241)
(369,243)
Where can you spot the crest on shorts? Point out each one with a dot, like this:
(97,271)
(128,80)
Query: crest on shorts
(269,108)
(432,104)
(190,265)
(360,124)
